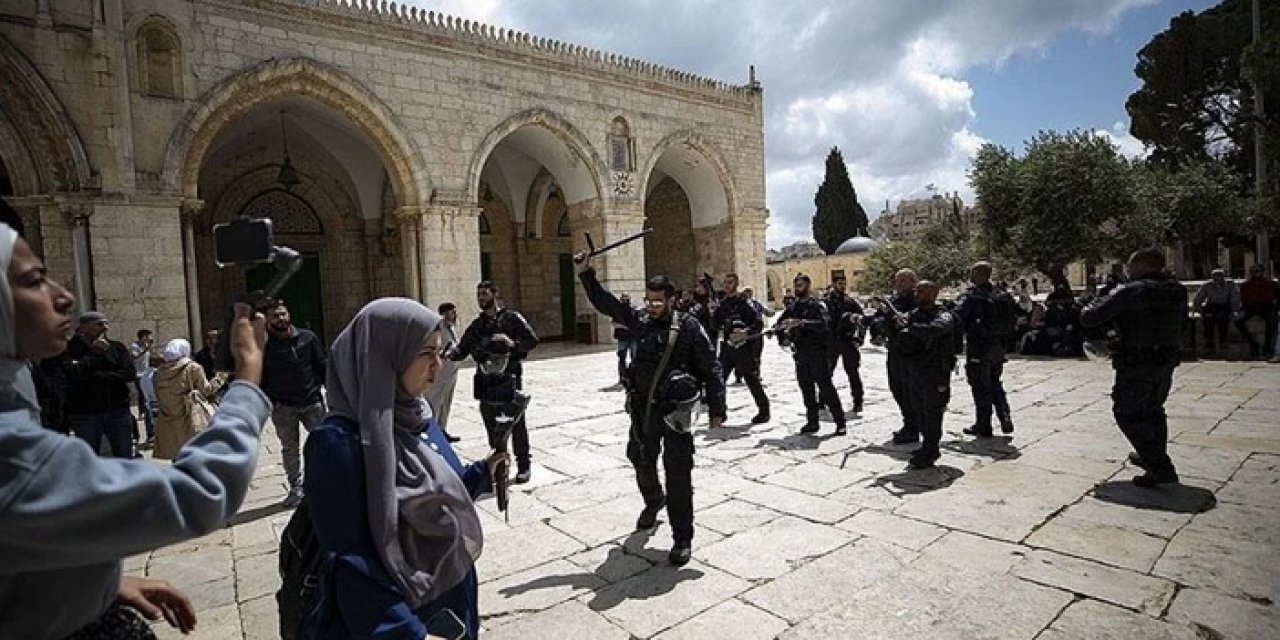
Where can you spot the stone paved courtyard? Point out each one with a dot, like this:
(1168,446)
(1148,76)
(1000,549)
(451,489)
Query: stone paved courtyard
(1035,536)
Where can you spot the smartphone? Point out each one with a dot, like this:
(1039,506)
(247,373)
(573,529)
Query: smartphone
(244,241)
(446,624)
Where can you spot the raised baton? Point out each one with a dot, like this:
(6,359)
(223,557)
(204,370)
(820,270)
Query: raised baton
(592,251)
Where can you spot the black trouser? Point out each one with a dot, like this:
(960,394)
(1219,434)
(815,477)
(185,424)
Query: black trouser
(744,361)
(984,364)
(900,386)
(1216,319)
(848,352)
(930,390)
(1268,314)
(648,440)
(1138,404)
(501,390)
(814,370)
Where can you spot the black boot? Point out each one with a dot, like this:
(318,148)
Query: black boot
(1151,480)
(902,436)
(809,427)
(840,429)
(921,459)
(522,472)
(649,515)
(975,431)
(681,551)
(761,418)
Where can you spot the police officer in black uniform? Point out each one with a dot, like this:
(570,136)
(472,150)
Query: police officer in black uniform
(658,393)
(499,333)
(734,319)
(846,336)
(1147,312)
(884,325)
(704,306)
(808,326)
(926,344)
(990,318)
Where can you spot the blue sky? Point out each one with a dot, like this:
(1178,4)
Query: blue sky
(908,89)
(1080,80)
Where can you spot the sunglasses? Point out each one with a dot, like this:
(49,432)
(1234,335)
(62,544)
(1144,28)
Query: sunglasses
(654,303)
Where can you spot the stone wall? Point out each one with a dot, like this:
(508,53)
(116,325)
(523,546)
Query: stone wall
(436,95)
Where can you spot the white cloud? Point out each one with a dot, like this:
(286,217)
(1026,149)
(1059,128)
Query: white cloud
(1130,147)
(881,79)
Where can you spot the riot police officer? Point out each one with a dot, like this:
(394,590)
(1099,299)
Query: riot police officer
(990,318)
(847,333)
(1147,312)
(499,340)
(673,359)
(808,326)
(926,344)
(734,319)
(704,307)
(883,325)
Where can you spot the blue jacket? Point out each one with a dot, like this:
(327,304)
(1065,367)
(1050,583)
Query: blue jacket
(357,597)
(67,517)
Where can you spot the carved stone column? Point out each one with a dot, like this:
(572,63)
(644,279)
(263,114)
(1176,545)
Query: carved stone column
(449,251)
(410,222)
(76,216)
(190,211)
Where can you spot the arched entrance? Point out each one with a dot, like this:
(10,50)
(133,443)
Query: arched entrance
(687,198)
(536,189)
(351,184)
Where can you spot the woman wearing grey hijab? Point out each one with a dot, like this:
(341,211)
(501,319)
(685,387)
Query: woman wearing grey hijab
(408,565)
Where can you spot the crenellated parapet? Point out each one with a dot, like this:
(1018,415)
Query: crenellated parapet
(473,32)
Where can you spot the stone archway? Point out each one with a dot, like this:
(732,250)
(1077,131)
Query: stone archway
(291,77)
(533,172)
(339,135)
(689,195)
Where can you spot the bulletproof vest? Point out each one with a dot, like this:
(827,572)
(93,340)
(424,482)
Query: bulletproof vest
(736,313)
(805,337)
(940,350)
(1156,320)
(846,316)
(904,303)
(650,337)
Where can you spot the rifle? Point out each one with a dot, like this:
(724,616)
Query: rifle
(775,330)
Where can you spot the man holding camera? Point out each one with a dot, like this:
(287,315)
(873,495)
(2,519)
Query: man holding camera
(294,366)
(499,340)
(99,374)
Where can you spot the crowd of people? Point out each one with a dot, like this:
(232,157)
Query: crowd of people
(375,406)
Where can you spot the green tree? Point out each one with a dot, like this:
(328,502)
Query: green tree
(1198,203)
(1196,100)
(944,254)
(837,216)
(1062,201)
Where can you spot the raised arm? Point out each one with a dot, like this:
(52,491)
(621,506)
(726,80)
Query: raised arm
(604,301)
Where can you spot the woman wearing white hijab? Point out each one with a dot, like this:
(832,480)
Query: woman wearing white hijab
(409,563)
(67,517)
(175,380)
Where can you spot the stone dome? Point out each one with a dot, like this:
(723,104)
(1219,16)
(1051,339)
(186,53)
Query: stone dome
(856,244)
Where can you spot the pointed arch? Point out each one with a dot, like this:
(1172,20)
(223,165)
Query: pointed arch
(579,174)
(39,137)
(710,187)
(281,78)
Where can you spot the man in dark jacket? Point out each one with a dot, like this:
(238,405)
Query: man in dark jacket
(99,373)
(808,326)
(294,367)
(884,324)
(499,334)
(846,336)
(990,318)
(1147,312)
(925,339)
(208,353)
(734,319)
(665,380)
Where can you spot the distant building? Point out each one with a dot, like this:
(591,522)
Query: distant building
(913,217)
(782,266)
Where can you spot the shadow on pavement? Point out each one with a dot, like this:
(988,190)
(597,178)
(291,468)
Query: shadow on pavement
(1175,498)
(257,513)
(896,451)
(916,481)
(797,441)
(999,447)
(726,433)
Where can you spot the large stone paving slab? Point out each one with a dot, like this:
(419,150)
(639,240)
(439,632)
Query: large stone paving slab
(1036,536)
(935,601)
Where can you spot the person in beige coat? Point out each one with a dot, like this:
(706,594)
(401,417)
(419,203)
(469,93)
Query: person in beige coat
(177,383)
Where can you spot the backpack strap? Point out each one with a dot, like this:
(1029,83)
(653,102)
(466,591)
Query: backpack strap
(673,334)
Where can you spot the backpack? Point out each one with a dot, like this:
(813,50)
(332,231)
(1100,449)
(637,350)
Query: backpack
(999,315)
(300,559)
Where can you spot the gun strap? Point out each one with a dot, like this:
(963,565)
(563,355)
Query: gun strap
(673,334)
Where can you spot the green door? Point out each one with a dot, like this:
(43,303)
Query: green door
(301,293)
(486,266)
(568,281)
